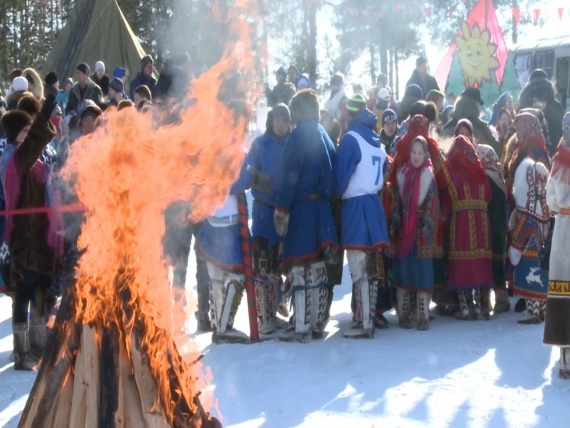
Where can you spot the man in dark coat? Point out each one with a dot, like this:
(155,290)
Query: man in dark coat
(421,77)
(539,93)
(468,106)
(282,92)
(84,89)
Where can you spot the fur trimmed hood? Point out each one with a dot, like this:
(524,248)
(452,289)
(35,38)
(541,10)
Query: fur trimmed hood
(38,83)
(530,199)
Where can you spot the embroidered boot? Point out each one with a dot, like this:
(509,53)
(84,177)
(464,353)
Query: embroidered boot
(463,313)
(532,313)
(404,308)
(423,310)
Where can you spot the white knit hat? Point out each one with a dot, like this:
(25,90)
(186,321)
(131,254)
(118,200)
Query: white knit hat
(20,83)
(99,65)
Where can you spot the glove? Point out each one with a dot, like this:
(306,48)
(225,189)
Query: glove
(48,107)
(259,180)
(281,220)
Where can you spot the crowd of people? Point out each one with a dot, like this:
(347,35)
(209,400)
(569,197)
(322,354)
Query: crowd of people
(426,200)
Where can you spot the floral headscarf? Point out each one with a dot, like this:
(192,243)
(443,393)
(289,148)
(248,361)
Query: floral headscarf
(561,160)
(410,197)
(490,162)
(527,126)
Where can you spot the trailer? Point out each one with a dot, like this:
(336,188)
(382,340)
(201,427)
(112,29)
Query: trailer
(551,54)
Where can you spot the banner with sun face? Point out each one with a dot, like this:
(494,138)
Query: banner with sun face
(478,55)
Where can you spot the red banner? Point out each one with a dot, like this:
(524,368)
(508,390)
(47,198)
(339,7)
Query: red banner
(536,16)
(517,15)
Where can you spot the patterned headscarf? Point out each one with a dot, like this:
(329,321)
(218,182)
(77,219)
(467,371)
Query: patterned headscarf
(419,125)
(566,129)
(463,159)
(410,197)
(466,123)
(527,126)
(490,162)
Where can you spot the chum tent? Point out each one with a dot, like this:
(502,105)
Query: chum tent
(96,30)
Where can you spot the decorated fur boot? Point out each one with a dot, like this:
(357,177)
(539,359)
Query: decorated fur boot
(226,299)
(532,313)
(464,312)
(404,308)
(423,310)
(502,303)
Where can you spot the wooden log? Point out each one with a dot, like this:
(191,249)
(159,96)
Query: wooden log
(109,377)
(151,406)
(58,358)
(85,398)
(61,407)
(129,411)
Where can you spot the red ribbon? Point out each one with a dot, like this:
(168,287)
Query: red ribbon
(39,210)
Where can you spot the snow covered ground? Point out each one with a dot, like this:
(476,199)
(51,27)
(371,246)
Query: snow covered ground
(457,374)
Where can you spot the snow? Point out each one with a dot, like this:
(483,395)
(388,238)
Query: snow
(457,374)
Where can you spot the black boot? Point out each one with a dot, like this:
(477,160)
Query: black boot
(23,360)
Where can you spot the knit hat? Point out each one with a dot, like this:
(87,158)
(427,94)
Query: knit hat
(84,68)
(68,80)
(51,78)
(119,72)
(434,94)
(281,111)
(356,103)
(381,78)
(14,121)
(421,60)
(384,94)
(281,71)
(20,83)
(474,94)
(389,114)
(414,91)
(99,65)
(117,85)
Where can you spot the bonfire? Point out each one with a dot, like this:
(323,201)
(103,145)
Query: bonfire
(117,355)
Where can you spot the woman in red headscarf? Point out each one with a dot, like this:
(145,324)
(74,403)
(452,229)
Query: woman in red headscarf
(419,126)
(414,232)
(469,231)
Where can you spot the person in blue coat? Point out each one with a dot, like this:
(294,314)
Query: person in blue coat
(359,169)
(303,216)
(265,156)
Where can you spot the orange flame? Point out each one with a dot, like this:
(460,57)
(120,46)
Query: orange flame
(126,173)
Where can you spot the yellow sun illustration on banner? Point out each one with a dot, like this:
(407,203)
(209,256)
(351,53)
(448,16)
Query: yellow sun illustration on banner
(476,55)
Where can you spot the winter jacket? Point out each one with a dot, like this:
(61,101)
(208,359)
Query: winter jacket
(140,80)
(92,92)
(103,83)
(540,89)
(467,108)
(426,84)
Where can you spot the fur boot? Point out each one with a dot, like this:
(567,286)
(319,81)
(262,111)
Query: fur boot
(301,331)
(423,300)
(502,303)
(23,359)
(404,308)
(37,337)
(464,313)
(532,313)
(564,372)
(225,301)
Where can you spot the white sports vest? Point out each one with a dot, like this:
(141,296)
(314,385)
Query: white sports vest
(227,214)
(368,178)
